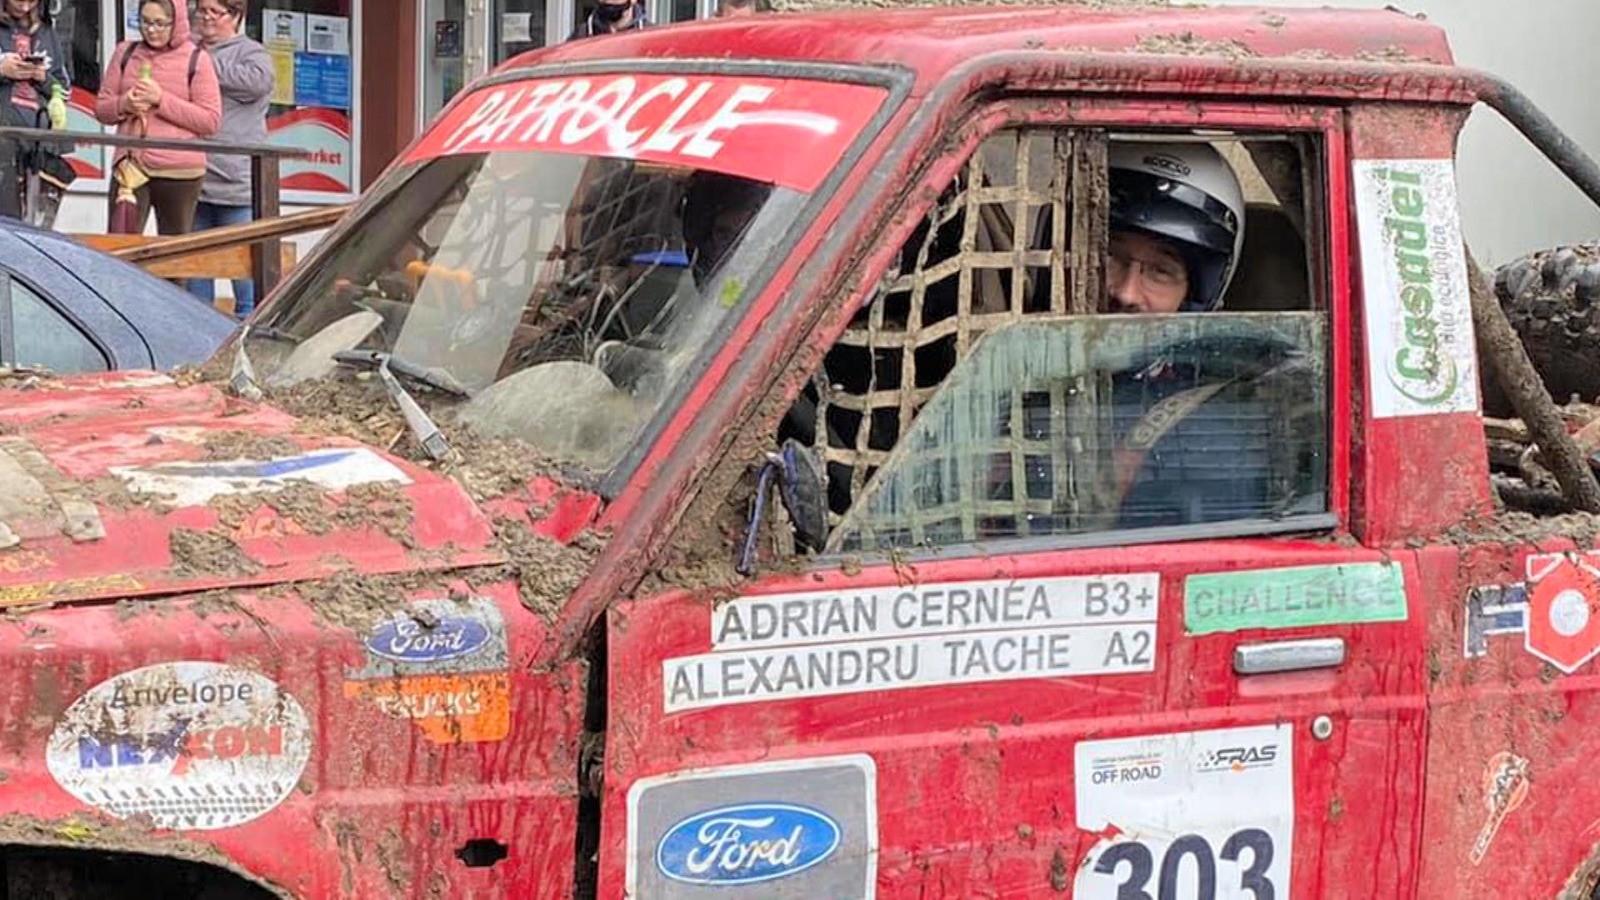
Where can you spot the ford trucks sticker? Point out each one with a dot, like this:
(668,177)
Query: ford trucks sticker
(1169,810)
(746,844)
(1293,597)
(1553,610)
(798,828)
(189,745)
(783,131)
(195,483)
(442,664)
(788,646)
(1421,358)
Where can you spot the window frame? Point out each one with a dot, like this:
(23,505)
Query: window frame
(1326,188)
(8,328)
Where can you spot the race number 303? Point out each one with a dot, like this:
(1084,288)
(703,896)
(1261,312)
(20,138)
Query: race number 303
(1200,815)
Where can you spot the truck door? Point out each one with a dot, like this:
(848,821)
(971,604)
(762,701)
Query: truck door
(1084,615)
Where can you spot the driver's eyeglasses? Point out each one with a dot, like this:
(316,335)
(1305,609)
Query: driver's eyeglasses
(1157,272)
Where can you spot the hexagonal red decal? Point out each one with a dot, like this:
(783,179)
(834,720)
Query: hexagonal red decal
(1563,610)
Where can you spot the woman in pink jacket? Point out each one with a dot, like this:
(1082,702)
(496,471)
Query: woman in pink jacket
(163,86)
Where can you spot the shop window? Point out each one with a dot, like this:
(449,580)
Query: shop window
(312,43)
(986,393)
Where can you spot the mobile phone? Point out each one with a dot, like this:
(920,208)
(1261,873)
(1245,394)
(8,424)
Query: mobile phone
(36,59)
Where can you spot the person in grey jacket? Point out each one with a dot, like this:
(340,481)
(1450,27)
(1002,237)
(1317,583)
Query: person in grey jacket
(245,74)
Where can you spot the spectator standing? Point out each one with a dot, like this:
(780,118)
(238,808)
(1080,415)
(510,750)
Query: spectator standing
(33,75)
(610,17)
(161,86)
(245,76)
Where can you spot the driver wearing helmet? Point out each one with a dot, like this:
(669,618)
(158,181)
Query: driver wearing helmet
(1177,217)
(1191,421)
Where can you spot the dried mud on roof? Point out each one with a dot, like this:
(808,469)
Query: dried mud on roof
(1190,44)
(207,553)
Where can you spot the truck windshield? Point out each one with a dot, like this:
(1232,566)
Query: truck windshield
(559,297)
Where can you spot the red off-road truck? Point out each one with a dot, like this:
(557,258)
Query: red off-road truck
(705,466)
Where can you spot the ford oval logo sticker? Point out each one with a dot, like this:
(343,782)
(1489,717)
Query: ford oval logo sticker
(746,844)
(408,641)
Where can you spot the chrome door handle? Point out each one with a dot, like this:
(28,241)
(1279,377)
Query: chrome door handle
(1288,656)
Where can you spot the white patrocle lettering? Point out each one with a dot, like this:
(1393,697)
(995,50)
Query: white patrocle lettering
(672,116)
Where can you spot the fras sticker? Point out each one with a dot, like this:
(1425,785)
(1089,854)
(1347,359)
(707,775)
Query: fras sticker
(1162,799)
(797,828)
(442,664)
(1421,358)
(787,646)
(190,745)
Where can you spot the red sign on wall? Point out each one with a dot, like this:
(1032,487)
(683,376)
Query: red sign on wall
(785,131)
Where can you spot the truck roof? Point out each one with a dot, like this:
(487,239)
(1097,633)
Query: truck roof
(931,42)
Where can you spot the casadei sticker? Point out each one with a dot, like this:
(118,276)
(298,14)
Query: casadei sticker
(1421,358)
(442,664)
(788,646)
(190,745)
(1168,797)
(793,828)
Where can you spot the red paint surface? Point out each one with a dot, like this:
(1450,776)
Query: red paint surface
(975,783)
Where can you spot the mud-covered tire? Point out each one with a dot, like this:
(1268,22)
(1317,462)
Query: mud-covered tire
(1553,301)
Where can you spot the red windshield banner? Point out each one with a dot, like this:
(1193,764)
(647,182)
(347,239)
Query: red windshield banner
(785,131)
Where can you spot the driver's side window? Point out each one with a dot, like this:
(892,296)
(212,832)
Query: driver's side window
(1069,344)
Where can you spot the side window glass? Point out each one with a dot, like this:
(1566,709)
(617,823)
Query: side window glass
(44,337)
(1066,347)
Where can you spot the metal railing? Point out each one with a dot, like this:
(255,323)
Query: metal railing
(266,264)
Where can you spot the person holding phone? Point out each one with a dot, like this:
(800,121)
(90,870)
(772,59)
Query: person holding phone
(33,76)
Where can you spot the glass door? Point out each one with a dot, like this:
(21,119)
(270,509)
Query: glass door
(518,26)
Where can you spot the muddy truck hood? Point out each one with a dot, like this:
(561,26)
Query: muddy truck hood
(125,485)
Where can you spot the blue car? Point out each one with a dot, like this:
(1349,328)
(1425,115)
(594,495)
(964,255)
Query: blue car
(75,309)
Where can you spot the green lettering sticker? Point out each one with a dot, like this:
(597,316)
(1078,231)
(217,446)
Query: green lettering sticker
(1295,597)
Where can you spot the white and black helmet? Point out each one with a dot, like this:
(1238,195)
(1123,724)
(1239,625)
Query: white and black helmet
(1187,194)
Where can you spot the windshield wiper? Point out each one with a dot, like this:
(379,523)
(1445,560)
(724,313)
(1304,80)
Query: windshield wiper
(271,334)
(423,430)
(374,359)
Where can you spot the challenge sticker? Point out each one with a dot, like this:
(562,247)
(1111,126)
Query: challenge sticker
(1421,358)
(1293,597)
(787,646)
(441,663)
(1178,805)
(190,745)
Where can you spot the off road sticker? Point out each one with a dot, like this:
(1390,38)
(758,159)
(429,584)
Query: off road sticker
(798,828)
(195,483)
(788,646)
(442,664)
(1420,354)
(1194,814)
(189,745)
(1293,597)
